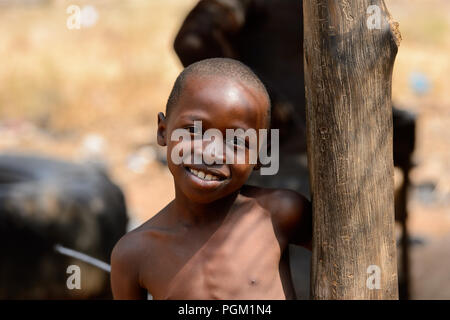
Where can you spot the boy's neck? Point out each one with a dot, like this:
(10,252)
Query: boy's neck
(194,214)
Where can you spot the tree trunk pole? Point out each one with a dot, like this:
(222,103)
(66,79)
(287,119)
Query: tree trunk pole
(350,48)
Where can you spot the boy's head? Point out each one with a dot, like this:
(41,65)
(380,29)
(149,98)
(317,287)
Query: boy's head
(219,94)
(219,67)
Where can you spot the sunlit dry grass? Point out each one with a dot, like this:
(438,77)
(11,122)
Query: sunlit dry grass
(425,28)
(121,68)
(124,65)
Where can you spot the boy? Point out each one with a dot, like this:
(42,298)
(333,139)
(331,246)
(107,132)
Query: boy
(218,239)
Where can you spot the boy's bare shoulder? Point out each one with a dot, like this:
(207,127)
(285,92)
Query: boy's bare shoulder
(139,242)
(131,256)
(289,209)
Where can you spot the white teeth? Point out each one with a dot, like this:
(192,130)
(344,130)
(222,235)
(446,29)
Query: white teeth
(202,175)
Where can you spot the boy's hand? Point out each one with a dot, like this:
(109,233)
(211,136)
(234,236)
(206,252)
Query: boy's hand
(293,216)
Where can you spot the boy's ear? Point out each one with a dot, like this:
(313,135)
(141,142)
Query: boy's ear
(161,134)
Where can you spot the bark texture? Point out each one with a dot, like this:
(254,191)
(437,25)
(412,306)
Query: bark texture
(348,74)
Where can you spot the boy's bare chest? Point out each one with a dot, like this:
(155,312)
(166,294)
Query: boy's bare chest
(239,260)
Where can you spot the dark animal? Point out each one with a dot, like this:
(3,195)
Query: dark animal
(45,202)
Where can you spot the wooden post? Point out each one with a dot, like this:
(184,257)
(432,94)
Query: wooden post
(350,48)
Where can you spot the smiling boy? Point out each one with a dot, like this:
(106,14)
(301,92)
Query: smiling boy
(219,238)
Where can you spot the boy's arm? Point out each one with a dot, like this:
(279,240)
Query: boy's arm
(125,274)
(208,30)
(294,217)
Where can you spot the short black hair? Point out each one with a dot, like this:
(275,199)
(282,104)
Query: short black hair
(224,67)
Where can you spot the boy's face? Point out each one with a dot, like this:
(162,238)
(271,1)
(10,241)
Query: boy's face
(219,103)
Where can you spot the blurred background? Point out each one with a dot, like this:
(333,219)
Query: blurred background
(92,95)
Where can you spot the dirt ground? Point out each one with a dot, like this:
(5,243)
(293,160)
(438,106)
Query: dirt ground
(93,95)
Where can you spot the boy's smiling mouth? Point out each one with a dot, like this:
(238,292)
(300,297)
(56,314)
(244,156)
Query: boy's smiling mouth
(206,174)
(203,175)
